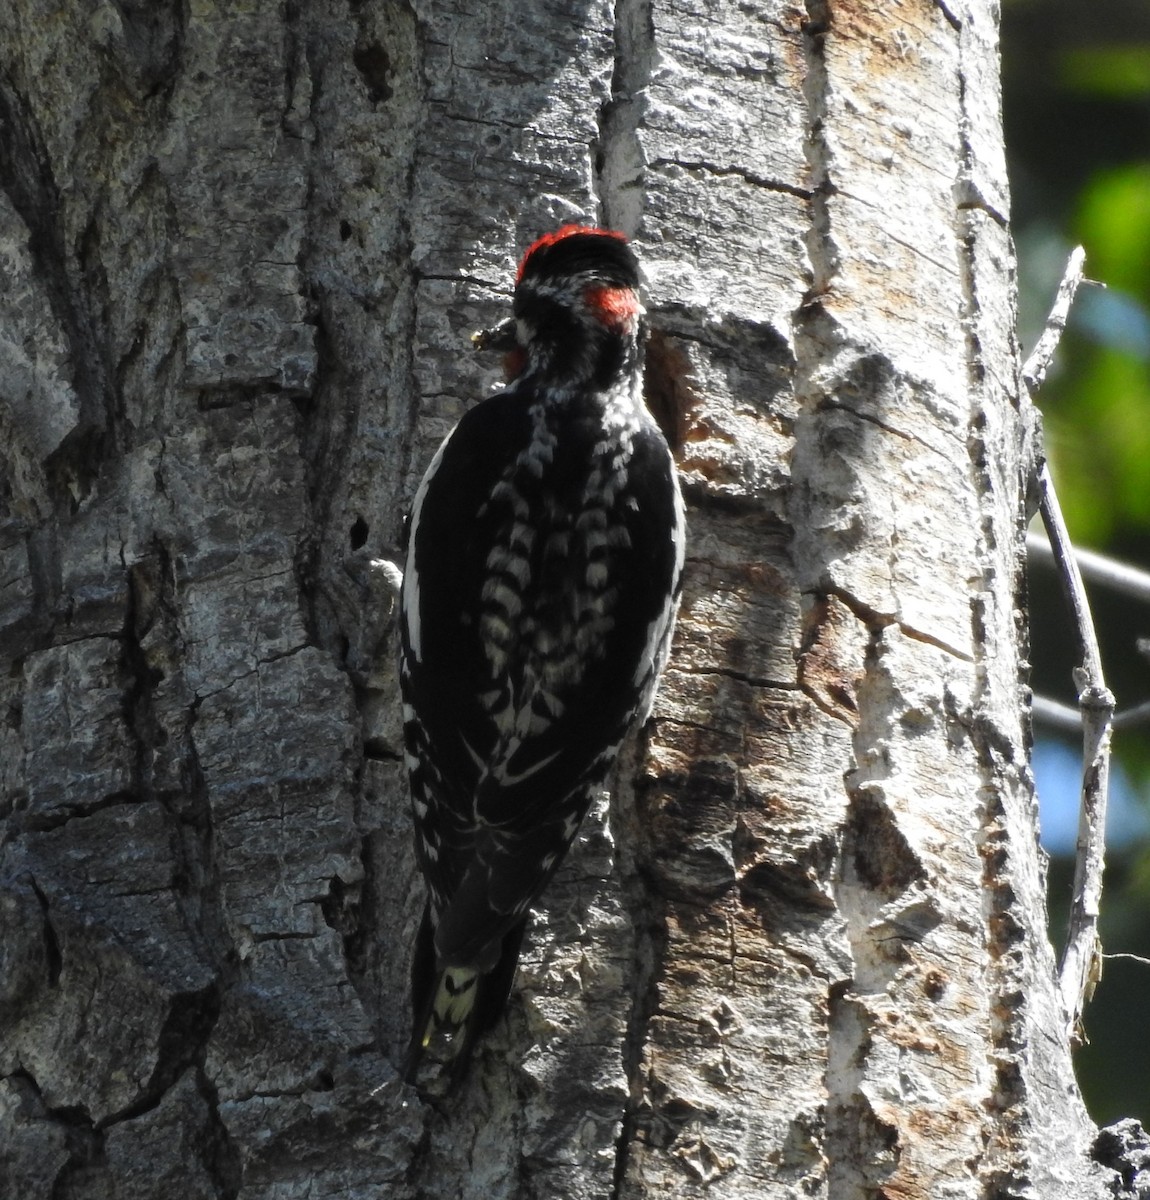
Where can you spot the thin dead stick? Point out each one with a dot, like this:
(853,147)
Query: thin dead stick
(1097,568)
(1118,577)
(1081,958)
(1056,715)
(1132,717)
(1034,371)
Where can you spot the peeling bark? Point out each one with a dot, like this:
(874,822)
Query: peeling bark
(801,952)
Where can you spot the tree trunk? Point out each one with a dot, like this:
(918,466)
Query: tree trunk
(241,249)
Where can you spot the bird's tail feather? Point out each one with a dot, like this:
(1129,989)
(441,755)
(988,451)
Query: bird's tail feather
(454,1005)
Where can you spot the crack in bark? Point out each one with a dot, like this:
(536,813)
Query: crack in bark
(820,245)
(952,18)
(618,165)
(825,706)
(30,184)
(876,621)
(1007,1159)
(264,661)
(345,621)
(48,822)
(182,1044)
(496,289)
(869,1148)
(33,631)
(649,947)
(833,405)
(222,1159)
(53,956)
(83,1142)
(345,911)
(981,204)
(758,681)
(771,185)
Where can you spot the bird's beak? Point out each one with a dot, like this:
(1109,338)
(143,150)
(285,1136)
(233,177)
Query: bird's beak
(501,338)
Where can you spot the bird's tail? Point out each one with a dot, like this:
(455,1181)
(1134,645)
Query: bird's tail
(453,1005)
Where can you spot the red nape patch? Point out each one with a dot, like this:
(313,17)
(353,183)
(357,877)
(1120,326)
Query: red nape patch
(564,231)
(613,306)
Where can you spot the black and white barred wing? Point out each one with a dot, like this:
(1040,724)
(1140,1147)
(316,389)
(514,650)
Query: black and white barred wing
(538,615)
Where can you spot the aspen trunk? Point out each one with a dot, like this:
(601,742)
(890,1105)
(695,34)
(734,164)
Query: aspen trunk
(802,952)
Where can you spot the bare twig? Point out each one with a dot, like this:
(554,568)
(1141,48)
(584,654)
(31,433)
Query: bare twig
(1055,714)
(1097,568)
(1132,717)
(1119,577)
(1133,957)
(1080,959)
(1034,371)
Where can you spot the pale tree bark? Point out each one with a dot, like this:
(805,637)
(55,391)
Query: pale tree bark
(241,249)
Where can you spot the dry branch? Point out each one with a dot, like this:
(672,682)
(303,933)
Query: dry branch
(1081,959)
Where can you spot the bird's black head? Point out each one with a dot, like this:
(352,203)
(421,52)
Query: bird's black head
(577,306)
(580,252)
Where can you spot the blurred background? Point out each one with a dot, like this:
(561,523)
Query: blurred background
(1076,82)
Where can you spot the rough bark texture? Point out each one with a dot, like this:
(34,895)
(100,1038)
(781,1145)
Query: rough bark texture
(241,248)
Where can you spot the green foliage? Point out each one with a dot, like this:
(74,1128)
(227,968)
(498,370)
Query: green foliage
(1114,222)
(1098,440)
(1118,71)
(1098,405)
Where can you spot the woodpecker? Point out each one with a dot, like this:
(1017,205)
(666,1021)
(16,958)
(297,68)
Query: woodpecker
(545,552)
